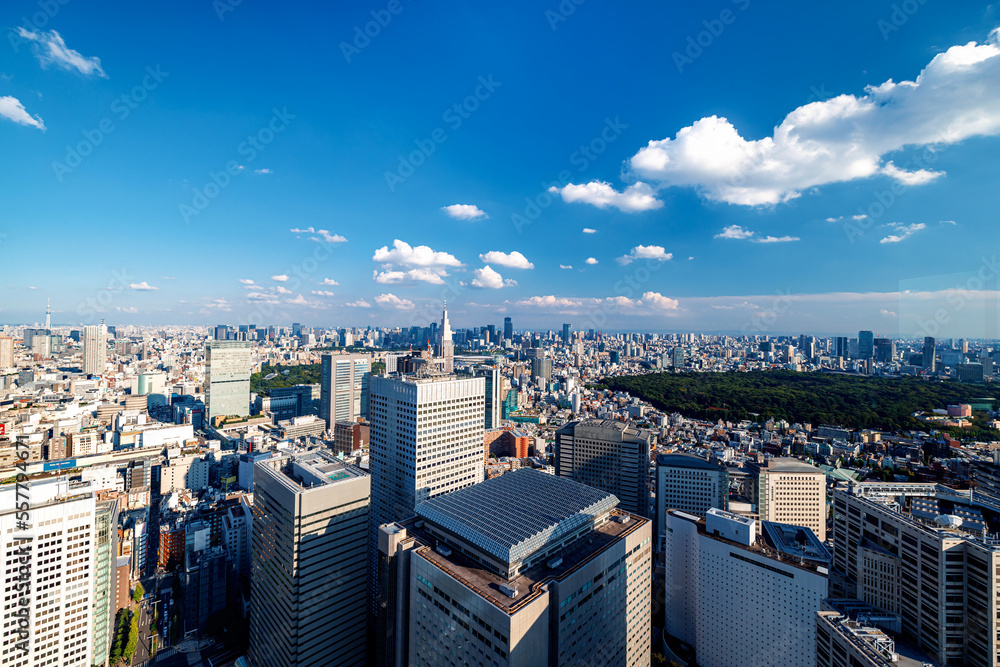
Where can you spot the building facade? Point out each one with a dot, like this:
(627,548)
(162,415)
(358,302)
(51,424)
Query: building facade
(791,491)
(227,378)
(691,484)
(343,383)
(95,348)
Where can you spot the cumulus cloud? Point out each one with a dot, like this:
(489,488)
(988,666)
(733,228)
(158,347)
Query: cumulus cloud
(633,199)
(651,303)
(887,313)
(127,309)
(465,211)
(278,289)
(487,278)
(418,275)
(840,139)
(588,230)
(51,49)
(216,304)
(360,303)
(168,277)
(329,282)
(142,287)
(651,252)
(322,292)
(429,266)
(246,281)
(280,278)
(590,260)
(263,171)
(738,233)
(902,232)
(565,266)
(261,297)
(513,260)
(390,300)
(12,109)
(324,234)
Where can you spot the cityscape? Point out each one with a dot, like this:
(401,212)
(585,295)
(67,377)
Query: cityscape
(303,364)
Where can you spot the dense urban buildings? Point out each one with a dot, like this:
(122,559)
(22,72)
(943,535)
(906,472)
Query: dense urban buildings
(309,558)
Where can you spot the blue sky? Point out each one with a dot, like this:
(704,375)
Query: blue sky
(461,137)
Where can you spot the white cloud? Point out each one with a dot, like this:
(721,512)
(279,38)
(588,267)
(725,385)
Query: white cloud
(392,301)
(322,292)
(738,233)
(298,301)
(246,281)
(887,313)
(278,289)
(947,222)
(329,282)
(550,301)
(465,211)
(635,198)
(513,260)
(588,230)
(324,234)
(12,109)
(280,278)
(261,297)
(657,300)
(127,309)
(418,275)
(216,304)
(50,49)
(565,266)
(903,232)
(590,260)
(651,303)
(651,252)
(835,140)
(421,255)
(734,232)
(487,278)
(142,287)
(360,303)
(263,172)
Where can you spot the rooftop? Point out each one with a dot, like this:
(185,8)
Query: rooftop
(512,516)
(678,460)
(796,542)
(792,465)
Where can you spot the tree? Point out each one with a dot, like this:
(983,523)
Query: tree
(133,638)
(138,592)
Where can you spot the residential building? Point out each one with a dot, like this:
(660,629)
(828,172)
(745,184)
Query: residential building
(95,348)
(742,599)
(227,379)
(6,352)
(344,382)
(609,455)
(309,562)
(481,577)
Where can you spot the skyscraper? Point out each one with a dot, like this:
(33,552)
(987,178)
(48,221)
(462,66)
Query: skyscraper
(739,598)
(929,354)
(482,577)
(445,346)
(567,333)
(791,491)
(59,563)
(6,352)
(691,484)
(227,378)
(866,344)
(105,561)
(493,394)
(95,348)
(426,440)
(841,347)
(541,369)
(508,329)
(343,387)
(608,455)
(309,560)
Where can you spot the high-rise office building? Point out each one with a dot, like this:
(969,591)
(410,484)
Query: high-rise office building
(508,329)
(541,369)
(95,348)
(343,387)
(227,378)
(866,344)
(841,347)
(567,333)
(928,554)
(221,332)
(930,350)
(739,598)
(791,491)
(493,394)
(426,440)
(6,352)
(59,562)
(105,565)
(309,562)
(885,349)
(691,484)
(482,577)
(678,357)
(445,346)
(608,455)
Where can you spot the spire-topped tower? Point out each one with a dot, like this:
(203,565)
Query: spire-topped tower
(48,314)
(445,347)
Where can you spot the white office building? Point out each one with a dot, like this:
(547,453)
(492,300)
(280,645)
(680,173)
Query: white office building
(95,348)
(740,599)
(344,387)
(227,378)
(60,562)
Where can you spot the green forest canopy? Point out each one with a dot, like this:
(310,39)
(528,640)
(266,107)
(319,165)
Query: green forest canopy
(304,374)
(815,398)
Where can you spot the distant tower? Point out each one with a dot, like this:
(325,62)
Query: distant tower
(48,315)
(446,348)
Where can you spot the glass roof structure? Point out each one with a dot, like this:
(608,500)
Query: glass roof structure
(512,516)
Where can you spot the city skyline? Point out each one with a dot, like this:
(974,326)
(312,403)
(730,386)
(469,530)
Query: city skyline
(689,194)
